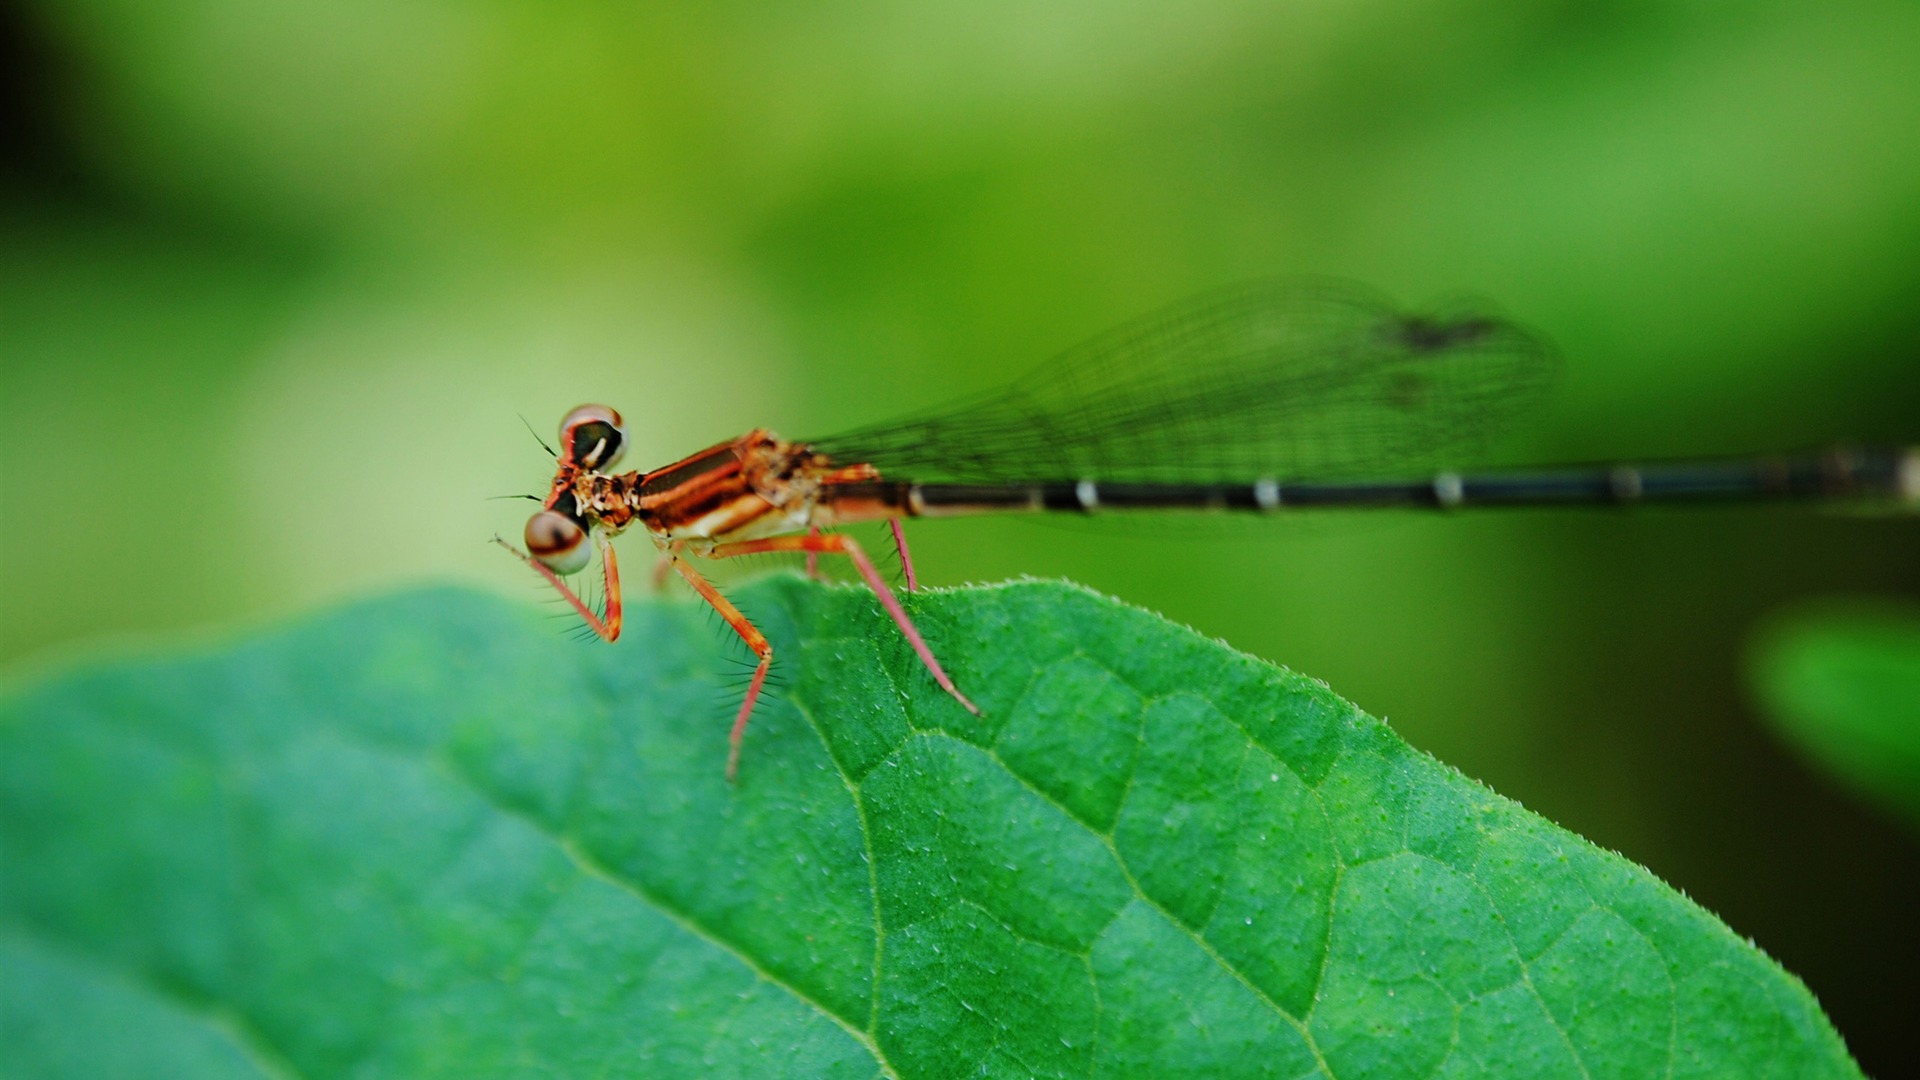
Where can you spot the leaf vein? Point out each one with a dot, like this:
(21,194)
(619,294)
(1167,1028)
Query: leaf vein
(593,867)
(1141,894)
(873,871)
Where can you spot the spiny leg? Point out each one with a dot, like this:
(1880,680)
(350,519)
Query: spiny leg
(610,570)
(900,545)
(844,545)
(608,628)
(755,640)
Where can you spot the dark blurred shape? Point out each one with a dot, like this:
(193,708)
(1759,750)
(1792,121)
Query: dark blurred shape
(36,153)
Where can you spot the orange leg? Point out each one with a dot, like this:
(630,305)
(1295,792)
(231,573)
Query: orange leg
(813,557)
(843,545)
(900,545)
(609,628)
(755,640)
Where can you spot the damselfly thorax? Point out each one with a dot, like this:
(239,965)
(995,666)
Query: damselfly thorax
(1269,399)
(756,486)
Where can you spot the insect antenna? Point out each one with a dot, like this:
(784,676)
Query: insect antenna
(536,438)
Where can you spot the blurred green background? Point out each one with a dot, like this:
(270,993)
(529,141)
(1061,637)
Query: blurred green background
(277,282)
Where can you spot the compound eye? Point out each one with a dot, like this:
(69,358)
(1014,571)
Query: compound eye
(593,436)
(557,541)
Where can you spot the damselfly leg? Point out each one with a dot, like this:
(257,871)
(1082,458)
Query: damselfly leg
(906,560)
(899,545)
(754,639)
(836,543)
(813,544)
(608,628)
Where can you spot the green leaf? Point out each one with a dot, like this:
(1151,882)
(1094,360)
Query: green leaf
(1844,687)
(428,837)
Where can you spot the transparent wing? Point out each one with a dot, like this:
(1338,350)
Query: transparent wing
(1280,379)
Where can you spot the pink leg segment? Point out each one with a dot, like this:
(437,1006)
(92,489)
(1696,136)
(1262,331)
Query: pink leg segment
(813,557)
(755,640)
(906,560)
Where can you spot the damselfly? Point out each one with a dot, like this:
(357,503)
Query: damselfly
(1266,399)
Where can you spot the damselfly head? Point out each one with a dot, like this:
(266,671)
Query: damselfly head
(557,541)
(592,437)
